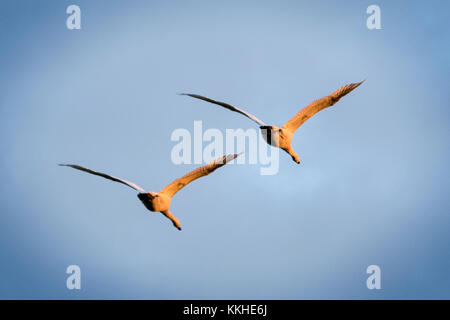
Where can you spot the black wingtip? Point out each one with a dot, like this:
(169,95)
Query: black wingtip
(231,157)
(361,82)
(238,154)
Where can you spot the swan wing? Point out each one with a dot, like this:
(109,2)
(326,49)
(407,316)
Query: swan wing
(178,184)
(104,175)
(318,105)
(226,105)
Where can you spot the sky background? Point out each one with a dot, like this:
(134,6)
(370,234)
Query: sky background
(372,187)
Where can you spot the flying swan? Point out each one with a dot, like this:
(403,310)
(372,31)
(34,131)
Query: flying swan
(281,137)
(160,201)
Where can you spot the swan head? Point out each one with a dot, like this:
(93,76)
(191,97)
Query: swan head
(271,128)
(147,196)
(147,199)
(154,201)
(270,134)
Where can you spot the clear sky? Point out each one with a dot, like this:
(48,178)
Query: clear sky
(372,187)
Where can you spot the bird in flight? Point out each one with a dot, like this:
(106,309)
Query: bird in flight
(160,201)
(281,137)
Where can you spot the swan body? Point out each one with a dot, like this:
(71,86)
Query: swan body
(160,201)
(281,137)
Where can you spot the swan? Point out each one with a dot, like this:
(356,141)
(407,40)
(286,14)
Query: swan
(281,137)
(160,201)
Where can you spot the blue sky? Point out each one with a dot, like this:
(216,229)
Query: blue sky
(372,187)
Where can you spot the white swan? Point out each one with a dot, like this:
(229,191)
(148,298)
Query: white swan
(160,201)
(281,137)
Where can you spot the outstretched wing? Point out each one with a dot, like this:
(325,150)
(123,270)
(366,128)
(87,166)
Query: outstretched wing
(104,175)
(226,105)
(178,184)
(317,105)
